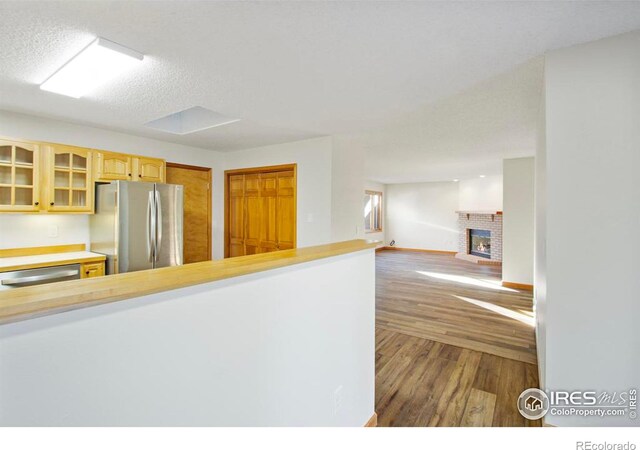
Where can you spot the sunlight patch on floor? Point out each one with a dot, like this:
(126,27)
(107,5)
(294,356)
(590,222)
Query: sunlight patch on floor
(499,310)
(465,280)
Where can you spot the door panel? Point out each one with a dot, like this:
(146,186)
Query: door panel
(261,211)
(112,166)
(268,191)
(19,176)
(268,234)
(286,214)
(286,223)
(149,169)
(197,210)
(286,183)
(253,212)
(133,208)
(169,208)
(69,180)
(236,215)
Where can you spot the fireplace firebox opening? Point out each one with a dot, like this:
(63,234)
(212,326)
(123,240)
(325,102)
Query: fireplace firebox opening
(480,243)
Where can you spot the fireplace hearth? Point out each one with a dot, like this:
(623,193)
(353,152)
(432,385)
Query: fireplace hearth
(480,243)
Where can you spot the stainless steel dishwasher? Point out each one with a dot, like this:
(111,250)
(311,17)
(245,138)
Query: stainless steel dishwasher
(32,277)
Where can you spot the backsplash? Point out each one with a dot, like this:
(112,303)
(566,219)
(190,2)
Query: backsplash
(36,230)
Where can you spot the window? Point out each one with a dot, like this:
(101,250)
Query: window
(372,211)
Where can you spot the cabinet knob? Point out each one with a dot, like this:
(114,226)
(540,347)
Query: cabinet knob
(36,203)
(87,272)
(140,175)
(129,174)
(52,203)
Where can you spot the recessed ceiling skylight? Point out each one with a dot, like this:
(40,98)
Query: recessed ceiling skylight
(99,62)
(190,120)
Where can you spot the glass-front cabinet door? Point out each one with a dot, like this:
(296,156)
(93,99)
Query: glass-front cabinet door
(69,179)
(19,176)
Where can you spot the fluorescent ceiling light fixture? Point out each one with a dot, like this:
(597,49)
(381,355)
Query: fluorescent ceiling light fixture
(190,120)
(99,62)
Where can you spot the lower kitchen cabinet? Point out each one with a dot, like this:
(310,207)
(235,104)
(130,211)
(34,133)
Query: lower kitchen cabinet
(92,270)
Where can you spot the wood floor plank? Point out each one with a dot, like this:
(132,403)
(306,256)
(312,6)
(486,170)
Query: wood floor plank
(488,375)
(456,393)
(479,410)
(512,384)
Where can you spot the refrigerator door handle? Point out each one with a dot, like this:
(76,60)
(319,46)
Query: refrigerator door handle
(158,225)
(151,227)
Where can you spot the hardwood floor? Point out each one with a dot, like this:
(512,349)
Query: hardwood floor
(441,298)
(440,361)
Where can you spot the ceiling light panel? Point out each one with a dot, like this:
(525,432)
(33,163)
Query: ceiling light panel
(102,60)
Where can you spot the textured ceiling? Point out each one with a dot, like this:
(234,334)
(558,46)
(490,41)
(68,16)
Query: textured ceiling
(462,136)
(294,70)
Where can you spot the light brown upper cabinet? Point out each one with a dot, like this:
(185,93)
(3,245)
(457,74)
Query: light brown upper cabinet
(41,177)
(260,210)
(68,179)
(19,176)
(111,166)
(149,169)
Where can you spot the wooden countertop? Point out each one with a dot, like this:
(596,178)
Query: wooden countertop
(34,301)
(50,260)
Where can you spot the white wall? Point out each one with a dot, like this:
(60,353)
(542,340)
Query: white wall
(518,220)
(74,229)
(422,215)
(313,157)
(379,236)
(39,230)
(592,220)
(481,194)
(540,238)
(210,355)
(347,190)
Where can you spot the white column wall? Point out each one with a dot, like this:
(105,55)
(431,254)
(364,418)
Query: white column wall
(518,220)
(592,220)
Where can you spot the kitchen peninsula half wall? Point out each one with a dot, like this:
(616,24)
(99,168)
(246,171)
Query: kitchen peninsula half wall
(247,341)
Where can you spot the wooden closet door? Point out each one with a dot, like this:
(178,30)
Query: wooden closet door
(269,196)
(286,210)
(260,210)
(236,215)
(253,214)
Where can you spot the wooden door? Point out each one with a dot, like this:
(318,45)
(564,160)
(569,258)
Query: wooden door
(260,210)
(19,176)
(112,166)
(69,180)
(149,169)
(286,215)
(268,220)
(253,214)
(235,216)
(197,209)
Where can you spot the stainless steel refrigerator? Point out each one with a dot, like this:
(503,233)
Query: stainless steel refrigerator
(138,225)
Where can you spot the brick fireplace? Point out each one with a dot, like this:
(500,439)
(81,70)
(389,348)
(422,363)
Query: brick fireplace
(480,238)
